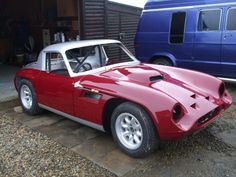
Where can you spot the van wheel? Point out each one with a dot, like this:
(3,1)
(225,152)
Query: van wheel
(133,130)
(162,61)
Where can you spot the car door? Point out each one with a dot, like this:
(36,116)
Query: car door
(56,86)
(228,56)
(87,100)
(207,42)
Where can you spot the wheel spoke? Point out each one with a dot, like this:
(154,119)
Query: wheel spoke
(136,139)
(26,92)
(138,133)
(136,126)
(132,121)
(124,125)
(127,120)
(127,133)
(131,138)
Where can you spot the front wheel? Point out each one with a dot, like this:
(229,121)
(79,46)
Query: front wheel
(133,130)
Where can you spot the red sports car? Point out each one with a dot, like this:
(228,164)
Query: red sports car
(99,83)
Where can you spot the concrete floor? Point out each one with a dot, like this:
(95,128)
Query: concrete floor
(7,89)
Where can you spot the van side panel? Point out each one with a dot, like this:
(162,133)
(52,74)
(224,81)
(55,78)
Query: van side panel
(153,38)
(152,35)
(207,47)
(210,49)
(228,56)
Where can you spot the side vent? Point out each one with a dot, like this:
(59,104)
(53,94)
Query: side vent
(92,95)
(208,98)
(194,96)
(194,106)
(156,78)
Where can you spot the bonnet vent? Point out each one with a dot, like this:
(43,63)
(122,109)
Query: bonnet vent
(156,78)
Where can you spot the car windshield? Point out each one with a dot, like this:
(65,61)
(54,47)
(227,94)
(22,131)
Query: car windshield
(93,57)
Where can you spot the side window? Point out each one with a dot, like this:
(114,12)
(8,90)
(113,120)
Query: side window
(231,22)
(55,63)
(177,27)
(209,20)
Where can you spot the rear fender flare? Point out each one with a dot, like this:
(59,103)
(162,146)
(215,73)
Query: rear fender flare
(28,74)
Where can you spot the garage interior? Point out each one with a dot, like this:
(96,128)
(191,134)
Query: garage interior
(26,27)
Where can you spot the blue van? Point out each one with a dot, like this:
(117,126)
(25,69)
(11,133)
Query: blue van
(193,34)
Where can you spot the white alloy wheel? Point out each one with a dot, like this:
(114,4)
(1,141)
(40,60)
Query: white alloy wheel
(129,131)
(26,96)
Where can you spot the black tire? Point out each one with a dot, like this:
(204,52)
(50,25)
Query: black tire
(33,109)
(162,61)
(150,139)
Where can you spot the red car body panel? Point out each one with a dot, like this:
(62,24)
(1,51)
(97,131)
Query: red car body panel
(197,93)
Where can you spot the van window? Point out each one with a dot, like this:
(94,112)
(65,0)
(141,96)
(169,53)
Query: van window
(177,27)
(209,20)
(231,22)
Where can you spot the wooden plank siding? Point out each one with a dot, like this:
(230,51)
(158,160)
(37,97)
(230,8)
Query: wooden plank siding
(94,19)
(122,21)
(106,19)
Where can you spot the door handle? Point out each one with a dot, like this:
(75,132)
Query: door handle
(78,85)
(121,36)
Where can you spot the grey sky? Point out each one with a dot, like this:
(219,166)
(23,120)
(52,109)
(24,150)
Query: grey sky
(138,3)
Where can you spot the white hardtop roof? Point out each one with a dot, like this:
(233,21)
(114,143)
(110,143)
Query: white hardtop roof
(77,44)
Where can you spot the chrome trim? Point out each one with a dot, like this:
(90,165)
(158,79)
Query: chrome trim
(227,79)
(76,119)
(189,7)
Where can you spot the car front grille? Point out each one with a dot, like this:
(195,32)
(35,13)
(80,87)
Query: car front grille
(207,116)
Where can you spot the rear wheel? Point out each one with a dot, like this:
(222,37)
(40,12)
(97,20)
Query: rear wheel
(162,61)
(28,98)
(133,130)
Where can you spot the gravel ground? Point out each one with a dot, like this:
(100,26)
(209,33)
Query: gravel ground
(209,153)
(25,152)
(199,155)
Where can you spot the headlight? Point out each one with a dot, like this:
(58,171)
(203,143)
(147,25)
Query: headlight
(221,89)
(177,112)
